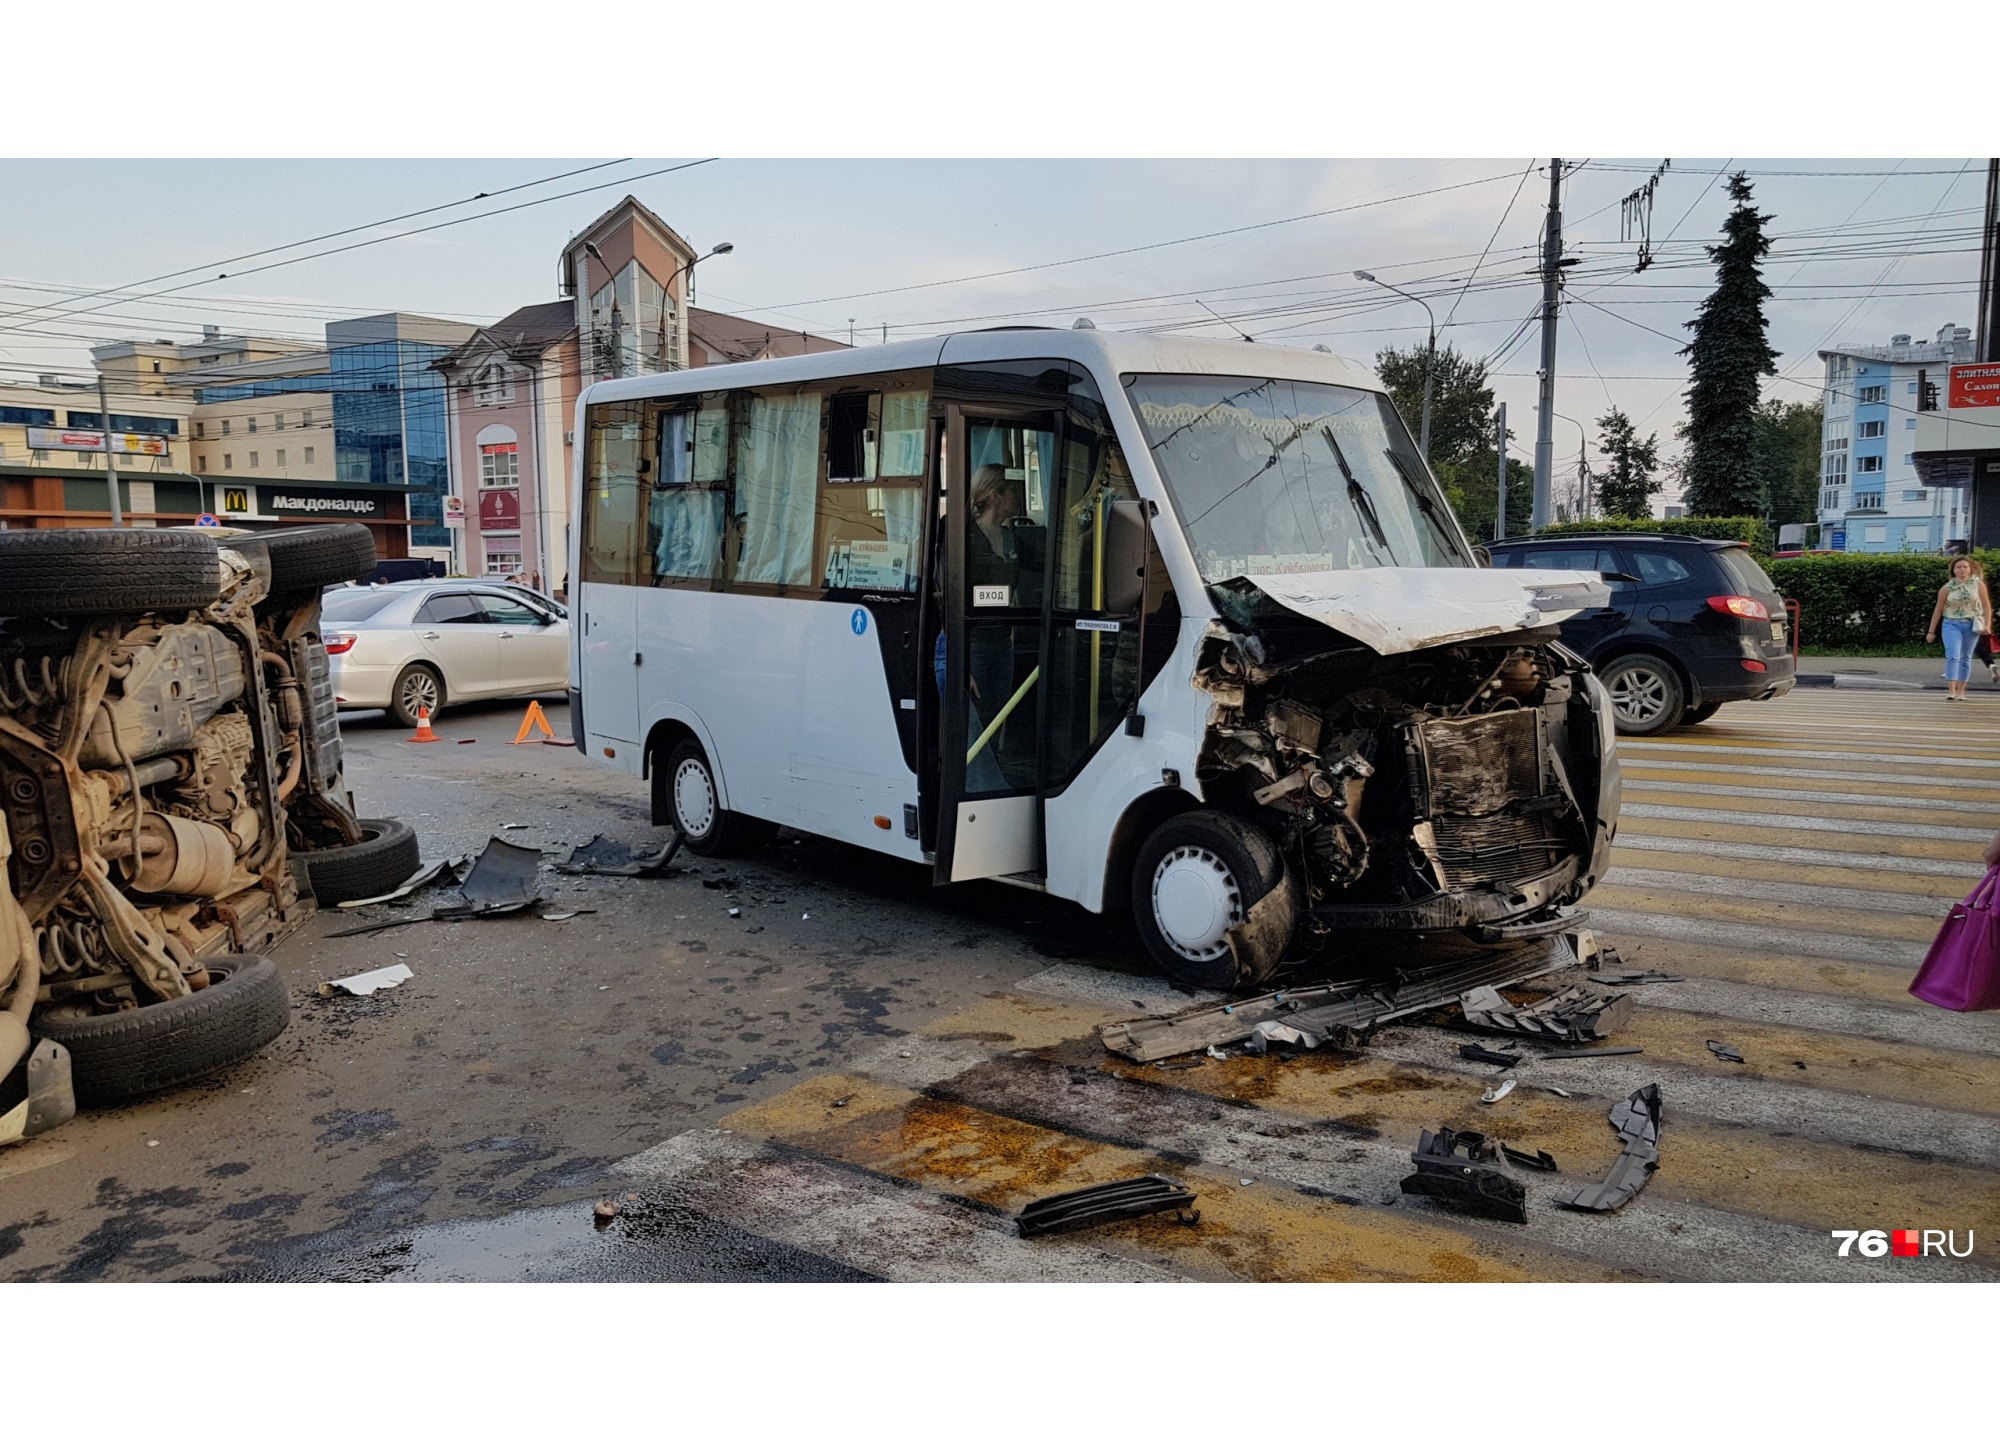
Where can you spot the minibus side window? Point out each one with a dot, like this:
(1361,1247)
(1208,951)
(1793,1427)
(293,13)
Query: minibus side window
(870,510)
(777,477)
(614,516)
(690,491)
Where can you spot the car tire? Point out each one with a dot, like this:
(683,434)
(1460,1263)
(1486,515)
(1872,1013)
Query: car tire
(384,857)
(417,687)
(1647,696)
(106,572)
(310,557)
(1700,713)
(1197,878)
(691,799)
(132,1053)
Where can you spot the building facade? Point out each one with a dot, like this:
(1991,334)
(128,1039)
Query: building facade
(1872,496)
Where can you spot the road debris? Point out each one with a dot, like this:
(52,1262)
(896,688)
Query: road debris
(1099,1204)
(368,982)
(604,1212)
(599,856)
(1484,1056)
(1276,1032)
(1325,1009)
(1642,977)
(505,878)
(1602,1050)
(1501,1092)
(1723,1051)
(379,925)
(515,825)
(1570,1015)
(1637,1119)
(1464,1169)
(565,914)
(1557,1090)
(416,882)
(1540,1160)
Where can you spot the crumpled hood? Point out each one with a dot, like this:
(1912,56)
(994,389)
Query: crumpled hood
(1393,611)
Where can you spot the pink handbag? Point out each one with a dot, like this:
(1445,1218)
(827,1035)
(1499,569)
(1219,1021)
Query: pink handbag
(1962,970)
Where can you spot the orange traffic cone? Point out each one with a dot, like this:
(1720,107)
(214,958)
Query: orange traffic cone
(424,731)
(533,720)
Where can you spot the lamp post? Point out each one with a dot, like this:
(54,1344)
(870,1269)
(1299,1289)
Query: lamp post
(1430,358)
(1582,468)
(688,270)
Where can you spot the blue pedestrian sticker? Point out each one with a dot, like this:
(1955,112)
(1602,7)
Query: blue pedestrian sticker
(858,622)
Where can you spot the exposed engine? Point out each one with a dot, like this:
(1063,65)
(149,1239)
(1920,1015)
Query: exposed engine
(1445,787)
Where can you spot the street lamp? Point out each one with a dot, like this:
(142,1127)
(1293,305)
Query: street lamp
(1583,505)
(1430,358)
(688,269)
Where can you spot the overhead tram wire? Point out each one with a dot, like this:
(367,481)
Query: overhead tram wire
(1519,186)
(399,235)
(351,229)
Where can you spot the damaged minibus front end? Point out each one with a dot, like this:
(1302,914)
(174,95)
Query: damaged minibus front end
(1394,721)
(1457,773)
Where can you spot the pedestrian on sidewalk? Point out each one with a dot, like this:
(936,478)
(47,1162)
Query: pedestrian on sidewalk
(1964,610)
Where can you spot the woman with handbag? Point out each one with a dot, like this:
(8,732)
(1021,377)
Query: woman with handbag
(1963,610)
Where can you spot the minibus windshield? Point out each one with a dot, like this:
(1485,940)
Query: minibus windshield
(1285,476)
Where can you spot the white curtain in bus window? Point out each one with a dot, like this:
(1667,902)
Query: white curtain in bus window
(615,517)
(687,508)
(905,420)
(777,470)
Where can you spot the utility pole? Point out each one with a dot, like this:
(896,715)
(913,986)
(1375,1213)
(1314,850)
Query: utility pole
(110,466)
(1988,345)
(1500,446)
(1552,249)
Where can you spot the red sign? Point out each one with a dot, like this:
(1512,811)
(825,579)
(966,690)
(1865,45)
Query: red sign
(1973,385)
(499,509)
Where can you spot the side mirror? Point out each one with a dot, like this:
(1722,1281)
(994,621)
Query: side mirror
(1124,557)
(1482,557)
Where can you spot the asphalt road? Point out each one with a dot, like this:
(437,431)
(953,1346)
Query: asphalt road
(862,1077)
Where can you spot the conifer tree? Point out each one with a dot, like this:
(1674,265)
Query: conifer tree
(1625,488)
(1728,356)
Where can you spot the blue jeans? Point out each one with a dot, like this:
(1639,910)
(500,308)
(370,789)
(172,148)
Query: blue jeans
(1958,642)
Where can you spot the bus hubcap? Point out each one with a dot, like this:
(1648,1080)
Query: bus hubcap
(1195,902)
(694,799)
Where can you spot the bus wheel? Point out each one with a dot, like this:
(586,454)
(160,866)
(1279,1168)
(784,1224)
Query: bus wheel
(1201,876)
(693,802)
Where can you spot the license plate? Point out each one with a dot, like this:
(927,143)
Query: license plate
(1778,631)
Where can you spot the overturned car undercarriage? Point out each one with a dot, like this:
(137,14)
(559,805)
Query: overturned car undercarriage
(170,768)
(1469,786)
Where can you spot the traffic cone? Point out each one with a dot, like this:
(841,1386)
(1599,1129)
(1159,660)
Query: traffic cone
(424,731)
(533,720)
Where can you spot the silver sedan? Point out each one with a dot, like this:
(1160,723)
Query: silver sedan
(425,644)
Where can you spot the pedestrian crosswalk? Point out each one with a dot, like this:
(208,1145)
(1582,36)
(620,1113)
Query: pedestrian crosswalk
(1789,862)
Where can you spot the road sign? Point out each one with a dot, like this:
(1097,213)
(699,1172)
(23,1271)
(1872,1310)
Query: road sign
(206,520)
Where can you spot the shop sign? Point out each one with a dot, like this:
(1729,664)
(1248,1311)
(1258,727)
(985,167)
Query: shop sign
(499,509)
(126,444)
(352,505)
(1973,386)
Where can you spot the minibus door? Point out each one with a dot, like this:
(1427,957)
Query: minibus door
(990,593)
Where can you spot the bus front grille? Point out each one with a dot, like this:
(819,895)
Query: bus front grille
(1496,849)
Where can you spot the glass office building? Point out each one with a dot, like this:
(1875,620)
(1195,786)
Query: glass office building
(389,410)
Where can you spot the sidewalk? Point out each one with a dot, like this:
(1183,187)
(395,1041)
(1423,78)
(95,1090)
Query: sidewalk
(1883,672)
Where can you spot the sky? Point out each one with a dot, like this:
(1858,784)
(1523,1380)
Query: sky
(1863,249)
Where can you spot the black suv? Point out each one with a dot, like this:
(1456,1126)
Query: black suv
(1692,623)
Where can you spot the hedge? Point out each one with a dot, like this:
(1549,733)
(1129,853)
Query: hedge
(1862,601)
(1747,528)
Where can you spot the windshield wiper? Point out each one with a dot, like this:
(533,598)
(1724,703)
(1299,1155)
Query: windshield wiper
(1423,499)
(1357,496)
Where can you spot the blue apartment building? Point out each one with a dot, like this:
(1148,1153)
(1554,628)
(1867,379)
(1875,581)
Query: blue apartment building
(1871,499)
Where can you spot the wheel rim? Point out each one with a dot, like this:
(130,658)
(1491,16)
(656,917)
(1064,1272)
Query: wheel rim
(1196,902)
(420,692)
(694,799)
(1639,694)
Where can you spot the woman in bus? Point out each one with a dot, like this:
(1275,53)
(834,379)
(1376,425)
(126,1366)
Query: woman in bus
(1964,610)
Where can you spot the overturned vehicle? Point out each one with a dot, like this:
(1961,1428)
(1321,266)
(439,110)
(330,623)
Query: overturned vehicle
(1391,737)
(171,801)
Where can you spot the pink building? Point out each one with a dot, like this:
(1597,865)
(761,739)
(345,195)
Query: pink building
(511,389)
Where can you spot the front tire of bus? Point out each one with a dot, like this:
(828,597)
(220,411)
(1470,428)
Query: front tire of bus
(694,801)
(1213,900)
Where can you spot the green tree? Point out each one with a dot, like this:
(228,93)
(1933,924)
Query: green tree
(1785,451)
(1626,486)
(1729,356)
(1461,435)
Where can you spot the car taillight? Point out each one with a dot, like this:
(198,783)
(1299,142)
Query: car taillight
(1741,606)
(339,644)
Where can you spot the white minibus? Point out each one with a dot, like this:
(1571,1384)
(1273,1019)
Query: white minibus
(1184,626)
